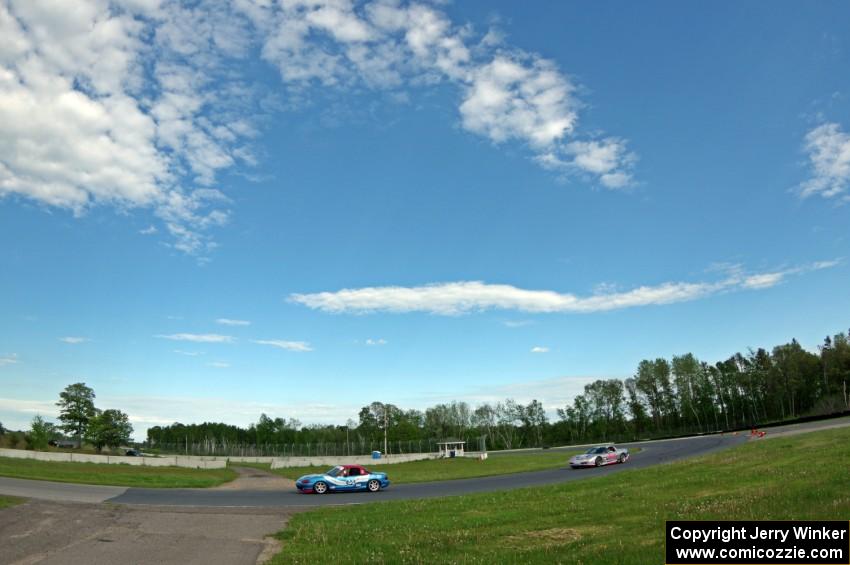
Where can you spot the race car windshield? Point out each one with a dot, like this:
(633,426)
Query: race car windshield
(594,450)
(334,472)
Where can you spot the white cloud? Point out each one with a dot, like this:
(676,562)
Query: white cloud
(299,346)
(471,296)
(229,322)
(9,359)
(608,159)
(818,265)
(764,280)
(517,323)
(142,104)
(188,353)
(539,349)
(218,364)
(150,230)
(506,94)
(373,342)
(510,98)
(198,338)
(74,339)
(828,149)
(104,105)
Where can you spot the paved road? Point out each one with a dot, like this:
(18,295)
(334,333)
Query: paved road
(652,453)
(62,533)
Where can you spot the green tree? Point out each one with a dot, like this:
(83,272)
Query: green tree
(109,428)
(377,419)
(686,370)
(40,433)
(76,409)
(636,406)
(653,382)
(535,420)
(605,398)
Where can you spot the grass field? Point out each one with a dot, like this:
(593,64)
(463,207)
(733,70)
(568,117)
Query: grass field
(7,501)
(618,518)
(117,475)
(457,468)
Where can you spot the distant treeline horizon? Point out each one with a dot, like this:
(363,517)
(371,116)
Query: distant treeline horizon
(663,397)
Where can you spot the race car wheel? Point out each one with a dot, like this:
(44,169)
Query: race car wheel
(598,462)
(622,458)
(374,485)
(320,488)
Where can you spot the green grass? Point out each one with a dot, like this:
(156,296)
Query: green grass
(456,468)
(618,518)
(116,475)
(7,501)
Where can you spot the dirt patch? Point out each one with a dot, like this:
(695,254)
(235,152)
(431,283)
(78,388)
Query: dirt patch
(75,533)
(256,479)
(543,538)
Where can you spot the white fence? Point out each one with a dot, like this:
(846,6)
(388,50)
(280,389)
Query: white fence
(365,460)
(169,461)
(212,462)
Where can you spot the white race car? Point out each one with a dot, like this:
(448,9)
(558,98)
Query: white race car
(598,456)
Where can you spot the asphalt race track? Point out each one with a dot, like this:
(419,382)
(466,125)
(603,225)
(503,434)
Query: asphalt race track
(652,453)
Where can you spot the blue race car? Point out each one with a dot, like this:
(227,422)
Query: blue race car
(343,478)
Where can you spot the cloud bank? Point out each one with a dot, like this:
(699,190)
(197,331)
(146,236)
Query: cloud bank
(456,298)
(144,104)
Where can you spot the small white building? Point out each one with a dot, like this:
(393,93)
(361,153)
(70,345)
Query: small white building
(450,448)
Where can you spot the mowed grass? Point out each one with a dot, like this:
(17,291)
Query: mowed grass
(614,519)
(7,501)
(452,468)
(116,475)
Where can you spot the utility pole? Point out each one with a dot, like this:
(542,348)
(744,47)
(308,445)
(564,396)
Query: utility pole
(385,429)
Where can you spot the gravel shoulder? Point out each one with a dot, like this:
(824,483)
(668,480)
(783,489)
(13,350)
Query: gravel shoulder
(256,479)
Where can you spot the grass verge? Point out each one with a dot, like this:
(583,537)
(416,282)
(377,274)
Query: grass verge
(456,468)
(116,475)
(618,518)
(7,501)
(262,466)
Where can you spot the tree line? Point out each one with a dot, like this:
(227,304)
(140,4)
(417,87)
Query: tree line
(663,397)
(81,420)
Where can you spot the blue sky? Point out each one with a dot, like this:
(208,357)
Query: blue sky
(223,208)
